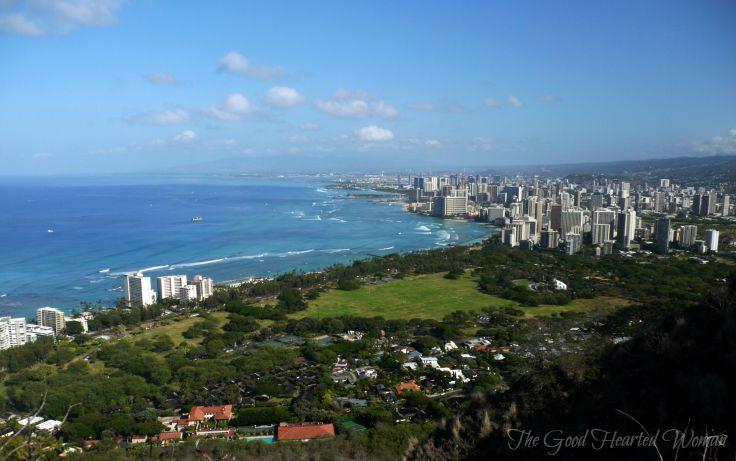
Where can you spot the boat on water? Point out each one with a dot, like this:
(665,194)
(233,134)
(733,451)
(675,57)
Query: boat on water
(103,271)
(197,219)
(50,231)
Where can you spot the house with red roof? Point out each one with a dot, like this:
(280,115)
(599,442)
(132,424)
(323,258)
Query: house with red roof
(166,438)
(304,431)
(199,414)
(408,386)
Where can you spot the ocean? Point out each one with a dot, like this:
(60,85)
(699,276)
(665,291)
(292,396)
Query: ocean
(66,240)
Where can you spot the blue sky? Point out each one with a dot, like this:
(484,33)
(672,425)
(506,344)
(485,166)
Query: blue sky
(106,86)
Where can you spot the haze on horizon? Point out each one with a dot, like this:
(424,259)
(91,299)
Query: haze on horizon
(110,86)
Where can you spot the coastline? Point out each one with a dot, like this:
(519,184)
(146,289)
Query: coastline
(290,239)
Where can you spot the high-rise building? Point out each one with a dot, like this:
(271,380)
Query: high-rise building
(454,204)
(664,183)
(726,205)
(659,202)
(599,233)
(711,240)
(555,217)
(662,233)
(606,216)
(712,201)
(12,332)
(625,188)
(203,285)
(539,214)
(51,317)
(688,234)
(187,293)
(494,212)
(573,243)
(572,221)
(626,228)
(138,291)
(508,235)
(596,201)
(169,286)
(705,204)
(550,239)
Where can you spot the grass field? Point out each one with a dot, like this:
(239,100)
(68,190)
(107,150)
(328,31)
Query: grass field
(431,296)
(175,328)
(522,282)
(426,296)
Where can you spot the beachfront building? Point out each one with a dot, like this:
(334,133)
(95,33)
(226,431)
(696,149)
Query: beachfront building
(33,332)
(203,285)
(138,291)
(450,206)
(188,293)
(170,286)
(51,317)
(12,332)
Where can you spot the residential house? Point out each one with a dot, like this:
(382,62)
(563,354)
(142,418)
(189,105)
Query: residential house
(408,386)
(200,414)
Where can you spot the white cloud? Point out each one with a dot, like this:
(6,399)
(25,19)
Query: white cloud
(516,102)
(433,143)
(185,136)
(718,145)
(443,107)
(374,133)
(283,97)
(162,78)
(420,106)
(43,17)
(298,138)
(346,103)
(482,144)
(548,97)
(232,108)
(309,126)
(17,24)
(236,63)
(491,102)
(165,117)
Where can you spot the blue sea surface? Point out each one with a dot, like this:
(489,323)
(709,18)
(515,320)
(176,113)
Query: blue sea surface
(66,240)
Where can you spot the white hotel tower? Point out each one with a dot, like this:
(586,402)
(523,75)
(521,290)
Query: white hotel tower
(138,291)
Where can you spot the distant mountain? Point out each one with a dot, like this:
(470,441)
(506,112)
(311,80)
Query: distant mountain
(683,170)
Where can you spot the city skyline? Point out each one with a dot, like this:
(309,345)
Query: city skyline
(136,87)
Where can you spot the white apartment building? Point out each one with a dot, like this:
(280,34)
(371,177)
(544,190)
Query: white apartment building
(688,234)
(187,293)
(12,332)
(33,332)
(204,286)
(170,286)
(600,233)
(51,317)
(138,291)
(711,240)
(572,222)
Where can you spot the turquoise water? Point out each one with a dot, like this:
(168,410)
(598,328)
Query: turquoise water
(260,439)
(66,240)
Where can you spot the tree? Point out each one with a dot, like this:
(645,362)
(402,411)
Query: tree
(73,327)
(348,283)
